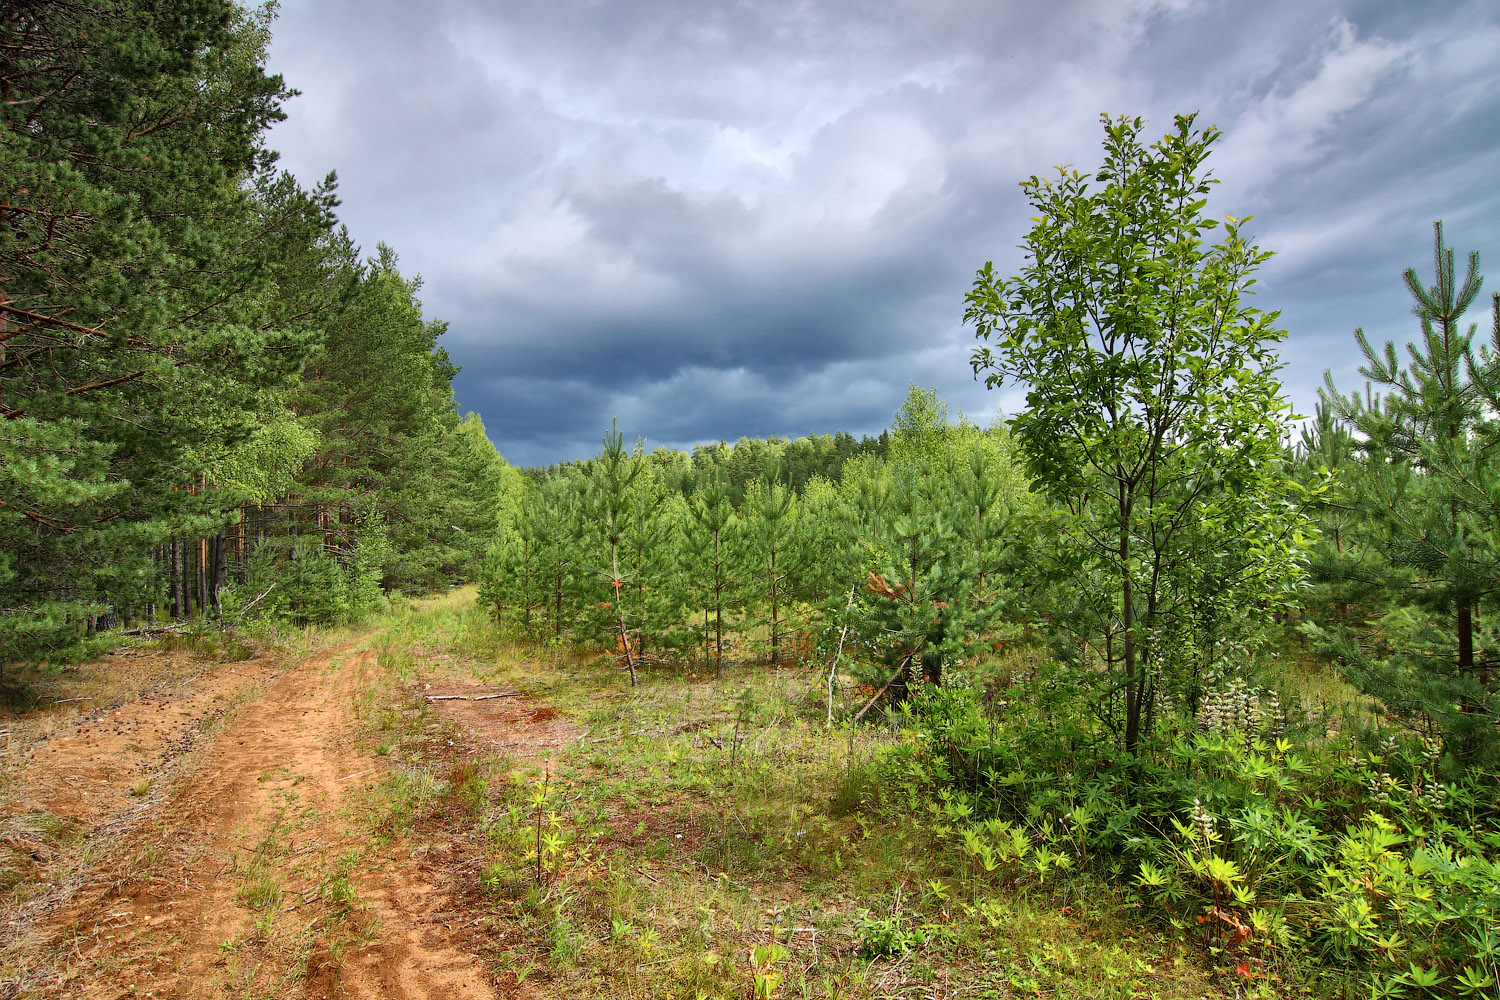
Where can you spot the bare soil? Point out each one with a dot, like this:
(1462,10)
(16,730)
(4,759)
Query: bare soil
(512,726)
(195,841)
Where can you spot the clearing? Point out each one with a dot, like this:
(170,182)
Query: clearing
(423,809)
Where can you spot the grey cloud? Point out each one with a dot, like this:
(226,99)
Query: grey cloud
(718,218)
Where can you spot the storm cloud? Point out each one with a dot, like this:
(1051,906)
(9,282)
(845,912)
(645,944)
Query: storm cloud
(715,219)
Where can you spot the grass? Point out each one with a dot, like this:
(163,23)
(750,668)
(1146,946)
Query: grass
(29,839)
(686,823)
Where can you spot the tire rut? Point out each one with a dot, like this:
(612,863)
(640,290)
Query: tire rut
(226,889)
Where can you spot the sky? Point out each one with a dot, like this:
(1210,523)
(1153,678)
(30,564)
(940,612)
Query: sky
(714,219)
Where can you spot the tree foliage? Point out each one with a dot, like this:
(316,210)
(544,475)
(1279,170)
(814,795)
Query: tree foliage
(193,358)
(1153,415)
(907,555)
(1425,493)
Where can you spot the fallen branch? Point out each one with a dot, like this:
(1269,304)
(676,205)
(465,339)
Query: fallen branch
(477,697)
(894,678)
(254,602)
(180,630)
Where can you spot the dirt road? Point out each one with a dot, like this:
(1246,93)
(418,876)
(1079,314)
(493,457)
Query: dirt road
(220,851)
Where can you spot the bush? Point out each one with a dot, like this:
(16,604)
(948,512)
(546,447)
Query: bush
(1375,854)
(302,583)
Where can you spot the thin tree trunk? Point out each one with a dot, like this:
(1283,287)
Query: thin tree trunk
(239,548)
(526,561)
(718,630)
(833,666)
(775,612)
(718,606)
(221,565)
(614,566)
(1128,652)
(203,575)
(900,687)
(178,592)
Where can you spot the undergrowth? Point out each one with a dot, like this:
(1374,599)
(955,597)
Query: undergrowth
(701,837)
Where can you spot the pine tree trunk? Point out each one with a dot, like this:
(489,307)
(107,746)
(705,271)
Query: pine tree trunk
(557,607)
(775,612)
(614,564)
(718,636)
(221,566)
(718,606)
(178,592)
(900,690)
(239,548)
(203,576)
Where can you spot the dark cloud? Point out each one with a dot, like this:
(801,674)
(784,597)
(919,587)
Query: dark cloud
(715,218)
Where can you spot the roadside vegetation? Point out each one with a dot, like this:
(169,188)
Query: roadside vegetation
(710,837)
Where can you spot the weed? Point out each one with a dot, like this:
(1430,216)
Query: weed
(563,939)
(765,977)
(508,960)
(469,787)
(260,889)
(548,846)
(892,933)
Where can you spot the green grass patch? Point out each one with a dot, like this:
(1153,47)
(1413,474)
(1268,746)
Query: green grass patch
(710,838)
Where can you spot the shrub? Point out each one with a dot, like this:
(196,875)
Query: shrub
(1269,840)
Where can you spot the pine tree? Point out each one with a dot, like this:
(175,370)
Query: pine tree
(1428,491)
(564,547)
(919,597)
(829,559)
(611,507)
(650,544)
(769,515)
(135,333)
(708,563)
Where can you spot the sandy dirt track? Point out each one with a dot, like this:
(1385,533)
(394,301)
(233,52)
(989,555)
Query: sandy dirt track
(237,875)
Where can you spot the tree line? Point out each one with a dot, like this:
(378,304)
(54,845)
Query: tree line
(205,388)
(612,552)
(795,462)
